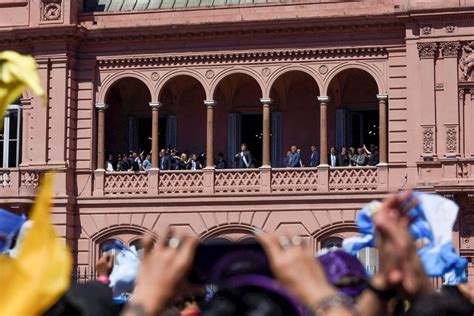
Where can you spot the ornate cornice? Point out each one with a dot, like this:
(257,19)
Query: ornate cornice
(260,56)
(427,50)
(450,49)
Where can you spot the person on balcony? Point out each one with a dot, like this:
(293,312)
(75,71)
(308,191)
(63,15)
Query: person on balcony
(221,162)
(373,155)
(244,157)
(361,158)
(165,160)
(344,157)
(333,158)
(110,164)
(147,163)
(315,158)
(183,162)
(137,163)
(194,164)
(294,158)
(123,164)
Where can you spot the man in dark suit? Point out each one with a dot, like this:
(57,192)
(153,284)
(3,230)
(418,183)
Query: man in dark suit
(244,157)
(315,158)
(221,163)
(344,158)
(294,159)
(333,158)
(165,160)
(361,158)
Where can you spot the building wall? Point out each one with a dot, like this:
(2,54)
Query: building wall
(237,55)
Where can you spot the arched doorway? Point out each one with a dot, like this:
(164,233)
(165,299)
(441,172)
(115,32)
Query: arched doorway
(295,115)
(353,116)
(238,104)
(128,120)
(183,115)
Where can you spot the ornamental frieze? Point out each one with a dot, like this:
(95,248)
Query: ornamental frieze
(428,140)
(51,10)
(466,63)
(450,49)
(451,139)
(427,50)
(244,57)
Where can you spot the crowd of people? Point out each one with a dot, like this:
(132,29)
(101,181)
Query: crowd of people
(172,159)
(345,158)
(333,284)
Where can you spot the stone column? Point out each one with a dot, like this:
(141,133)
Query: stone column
(101,107)
(383,98)
(155,133)
(210,133)
(266,102)
(323,128)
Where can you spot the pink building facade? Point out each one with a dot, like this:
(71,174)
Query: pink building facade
(205,76)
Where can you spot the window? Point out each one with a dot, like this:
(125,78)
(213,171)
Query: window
(334,242)
(10,138)
(369,257)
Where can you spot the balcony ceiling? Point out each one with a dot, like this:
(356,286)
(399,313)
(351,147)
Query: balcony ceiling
(136,5)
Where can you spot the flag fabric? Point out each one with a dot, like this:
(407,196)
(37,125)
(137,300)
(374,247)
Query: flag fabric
(40,274)
(17,73)
(433,218)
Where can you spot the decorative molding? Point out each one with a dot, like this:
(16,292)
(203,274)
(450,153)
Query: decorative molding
(471,92)
(426,29)
(101,106)
(265,56)
(428,139)
(210,74)
(450,49)
(451,139)
(266,101)
(450,27)
(427,50)
(439,86)
(155,76)
(323,69)
(155,105)
(461,93)
(266,72)
(51,10)
(211,103)
(324,99)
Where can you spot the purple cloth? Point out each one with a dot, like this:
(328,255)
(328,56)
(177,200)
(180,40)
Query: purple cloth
(345,271)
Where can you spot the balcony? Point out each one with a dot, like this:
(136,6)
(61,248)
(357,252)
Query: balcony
(19,182)
(238,181)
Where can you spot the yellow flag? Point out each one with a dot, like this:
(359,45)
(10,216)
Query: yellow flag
(17,73)
(41,273)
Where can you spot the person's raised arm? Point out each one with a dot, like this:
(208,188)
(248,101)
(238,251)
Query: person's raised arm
(162,269)
(294,265)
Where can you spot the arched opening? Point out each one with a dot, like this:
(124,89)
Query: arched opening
(238,117)
(353,116)
(128,119)
(295,116)
(182,122)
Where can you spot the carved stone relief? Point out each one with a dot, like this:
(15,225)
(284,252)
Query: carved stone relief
(428,140)
(451,139)
(51,10)
(467,61)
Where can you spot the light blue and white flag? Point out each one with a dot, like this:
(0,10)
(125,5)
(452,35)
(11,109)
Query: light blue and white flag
(434,217)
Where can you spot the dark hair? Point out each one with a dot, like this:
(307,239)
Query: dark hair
(220,155)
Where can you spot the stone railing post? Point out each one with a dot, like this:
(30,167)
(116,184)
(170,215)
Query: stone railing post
(382,177)
(209,180)
(153,182)
(323,178)
(265,179)
(99,180)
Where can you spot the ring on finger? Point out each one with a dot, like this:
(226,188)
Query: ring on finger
(296,240)
(284,242)
(174,242)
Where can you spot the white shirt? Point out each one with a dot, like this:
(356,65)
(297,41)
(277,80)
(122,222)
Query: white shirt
(333,160)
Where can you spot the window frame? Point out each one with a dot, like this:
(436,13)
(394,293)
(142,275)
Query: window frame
(6,137)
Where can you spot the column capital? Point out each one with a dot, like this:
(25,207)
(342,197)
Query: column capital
(266,101)
(210,103)
(155,105)
(101,106)
(382,97)
(324,99)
